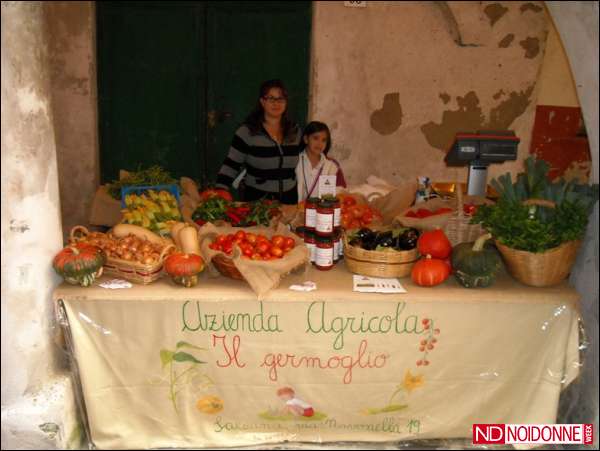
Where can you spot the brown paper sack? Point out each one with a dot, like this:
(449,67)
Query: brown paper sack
(262,276)
(105,211)
(391,204)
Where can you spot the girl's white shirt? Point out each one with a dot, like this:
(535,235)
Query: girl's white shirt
(306,175)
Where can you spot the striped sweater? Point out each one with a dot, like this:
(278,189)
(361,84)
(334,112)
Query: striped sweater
(270,167)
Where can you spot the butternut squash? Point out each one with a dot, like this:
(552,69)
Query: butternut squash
(175,229)
(122,230)
(188,237)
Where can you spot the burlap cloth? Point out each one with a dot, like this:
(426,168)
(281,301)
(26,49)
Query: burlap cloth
(262,276)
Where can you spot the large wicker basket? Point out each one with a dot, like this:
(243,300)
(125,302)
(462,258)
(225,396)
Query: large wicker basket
(379,263)
(226,267)
(458,228)
(126,269)
(540,269)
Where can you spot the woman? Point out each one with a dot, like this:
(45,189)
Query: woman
(267,147)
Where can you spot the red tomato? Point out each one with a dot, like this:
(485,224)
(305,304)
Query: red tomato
(227,247)
(411,214)
(256,256)
(262,247)
(354,224)
(230,237)
(289,243)
(356,211)
(423,213)
(367,217)
(220,239)
(349,201)
(276,251)
(251,238)
(470,209)
(240,235)
(267,257)
(217,192)
(248,252)
(278,240)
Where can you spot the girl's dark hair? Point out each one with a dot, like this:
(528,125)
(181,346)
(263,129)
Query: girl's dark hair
(316,127)
(255,119)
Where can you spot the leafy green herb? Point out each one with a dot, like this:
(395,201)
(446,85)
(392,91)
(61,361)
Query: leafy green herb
(535,228)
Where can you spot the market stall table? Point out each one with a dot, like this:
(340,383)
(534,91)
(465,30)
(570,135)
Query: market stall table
(165,366)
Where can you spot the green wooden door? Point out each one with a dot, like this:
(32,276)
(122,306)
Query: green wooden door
(175,79)
(250,42)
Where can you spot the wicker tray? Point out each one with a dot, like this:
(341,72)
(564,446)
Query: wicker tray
(379,263)
(125,269)
(458,228)
(226,267)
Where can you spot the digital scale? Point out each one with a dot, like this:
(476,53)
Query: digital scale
(478,150)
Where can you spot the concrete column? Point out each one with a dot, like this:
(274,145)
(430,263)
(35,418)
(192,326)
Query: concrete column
(36,391)
(577,24)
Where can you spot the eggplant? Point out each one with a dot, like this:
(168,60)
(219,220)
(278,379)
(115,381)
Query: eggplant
(407,240)
(385,239)
(365,233)
(355,242)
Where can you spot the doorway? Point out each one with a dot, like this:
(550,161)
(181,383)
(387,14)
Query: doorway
(175,79)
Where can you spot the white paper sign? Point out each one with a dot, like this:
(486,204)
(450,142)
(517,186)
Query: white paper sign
(327,185)
(366,284)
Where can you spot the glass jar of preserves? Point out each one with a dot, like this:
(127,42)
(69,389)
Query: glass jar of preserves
(300,231)
(310,213)
(337,214)
(311,243)
(337,242)
(324,225)
(324,253)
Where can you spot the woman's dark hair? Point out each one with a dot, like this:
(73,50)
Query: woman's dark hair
(316,127)
(255,119)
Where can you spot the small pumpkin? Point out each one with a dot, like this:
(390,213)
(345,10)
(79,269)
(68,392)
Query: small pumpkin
(210,404)
(476,264)
(184,268)
(434,243)
(79,263)
(428,271)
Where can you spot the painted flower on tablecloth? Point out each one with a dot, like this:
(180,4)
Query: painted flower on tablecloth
(411,382)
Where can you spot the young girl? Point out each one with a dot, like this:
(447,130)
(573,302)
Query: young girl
(313,161)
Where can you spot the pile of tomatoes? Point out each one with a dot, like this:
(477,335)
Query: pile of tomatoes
(254,246)
(425,212)
(355,215)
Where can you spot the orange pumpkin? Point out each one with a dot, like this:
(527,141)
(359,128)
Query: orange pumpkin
(428,271)
(184,268)
(434,243)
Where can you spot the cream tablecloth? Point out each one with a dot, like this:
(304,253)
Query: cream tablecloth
(164,366)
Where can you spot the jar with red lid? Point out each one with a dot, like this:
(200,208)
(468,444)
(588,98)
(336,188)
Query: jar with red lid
(311,243)
(310,213)
(325,212)
(324,253)
(300,231)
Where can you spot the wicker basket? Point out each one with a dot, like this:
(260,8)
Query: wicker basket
(430,222)
(379,263)
(226,267)
(125,269)
(540,269)
(458,228)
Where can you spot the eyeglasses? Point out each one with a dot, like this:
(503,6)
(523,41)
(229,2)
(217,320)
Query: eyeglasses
(272,99)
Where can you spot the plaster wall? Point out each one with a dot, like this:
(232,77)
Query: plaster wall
(396,81)
(31,235)
(72,66)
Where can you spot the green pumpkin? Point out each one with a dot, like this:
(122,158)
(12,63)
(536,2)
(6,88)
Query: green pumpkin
(476,264)
(80,263)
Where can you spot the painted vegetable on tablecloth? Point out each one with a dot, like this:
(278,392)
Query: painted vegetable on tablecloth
(210,404)
(476,264)
(184,268)
(79,263)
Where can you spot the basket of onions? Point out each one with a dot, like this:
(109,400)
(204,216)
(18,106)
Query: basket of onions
(131,254)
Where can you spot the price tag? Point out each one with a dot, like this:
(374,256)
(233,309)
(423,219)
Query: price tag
(327,185)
